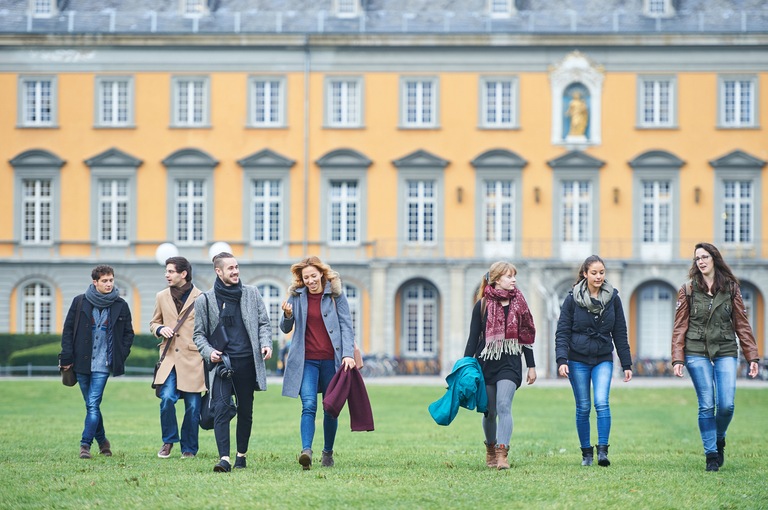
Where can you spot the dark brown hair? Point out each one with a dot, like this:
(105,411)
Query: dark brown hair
(723,274)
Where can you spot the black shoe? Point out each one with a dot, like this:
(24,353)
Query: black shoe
(720,452)
(222,467)
(712,462)
(587,455)
(239,462)
(602,455)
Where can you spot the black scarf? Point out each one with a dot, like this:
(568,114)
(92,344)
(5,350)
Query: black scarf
(228,295)
(177,293)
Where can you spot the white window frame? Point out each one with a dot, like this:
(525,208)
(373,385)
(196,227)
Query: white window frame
(40,305)
(419,310)
(345,109)
(739,81)
(43,8)
(354,300)
(187,86)
(347,8)
(572,203)
(657,247)
(273,301)
(419,208)
(656,311)
(495,204)
(38,102)
(193,8)
(267,201)
(348,204)
(268,103)
(655,102)
(658,8)
(108,87)
(500,8)
(119,229)
(192,225)
(499,107)
(422,106)
(738,203)
(39,202)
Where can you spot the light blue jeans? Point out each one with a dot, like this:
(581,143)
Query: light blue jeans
(92,387)
(190,426)
(581,376)
(715,385)
(317,375)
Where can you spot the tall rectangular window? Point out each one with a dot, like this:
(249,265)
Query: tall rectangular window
(344,103)
(267,102)
(501,8)
(499,102)
(37,215)
(114,102)
(37,107)
(267,204)
(576,212)
(420,320)
(190,102)
(38,307)
(347,8)
(421,207)
(657,98)
(113,211)
(193,8)
(657,211)
(43,8)
(737,102)
(738,217)
(344,206)
(190,211)
(419,108)
(499,211)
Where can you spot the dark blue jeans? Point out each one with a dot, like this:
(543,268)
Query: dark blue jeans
(317,375)
(715,384)
(598,376)
(92,387)
(169,395)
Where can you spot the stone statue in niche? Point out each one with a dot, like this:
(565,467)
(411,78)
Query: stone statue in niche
(576,115)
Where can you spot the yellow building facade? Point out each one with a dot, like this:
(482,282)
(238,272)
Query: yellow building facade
(409,162)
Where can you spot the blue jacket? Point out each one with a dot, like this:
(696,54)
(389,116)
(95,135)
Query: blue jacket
(466,388)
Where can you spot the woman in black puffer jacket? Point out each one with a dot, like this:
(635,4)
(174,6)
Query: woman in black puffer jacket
(591,323)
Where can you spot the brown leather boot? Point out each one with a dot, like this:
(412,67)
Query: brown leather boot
(490,455)
(501,457)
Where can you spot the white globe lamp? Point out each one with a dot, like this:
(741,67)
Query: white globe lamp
(218,247)
(164,252)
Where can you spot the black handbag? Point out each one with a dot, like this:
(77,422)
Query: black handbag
(181,320)
(214,377)
(68,377)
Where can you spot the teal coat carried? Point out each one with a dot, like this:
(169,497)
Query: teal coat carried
(466,388)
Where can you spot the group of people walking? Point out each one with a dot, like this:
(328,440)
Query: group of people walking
(228,326)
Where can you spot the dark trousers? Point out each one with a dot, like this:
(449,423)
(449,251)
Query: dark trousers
(242,384)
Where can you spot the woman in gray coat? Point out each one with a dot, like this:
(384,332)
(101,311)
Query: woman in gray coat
(323,341)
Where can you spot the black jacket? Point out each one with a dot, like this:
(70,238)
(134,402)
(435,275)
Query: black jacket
(76,346)
(589,338)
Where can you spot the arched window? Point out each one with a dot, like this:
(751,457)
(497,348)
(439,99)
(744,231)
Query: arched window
(38,308)
(420,320)
(272,300)
(656,313)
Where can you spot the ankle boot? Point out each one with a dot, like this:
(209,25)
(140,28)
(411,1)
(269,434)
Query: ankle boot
(327,459)
(602,455)
(712,462)
(501,457)
(490,455)
(720,452)
(587,455)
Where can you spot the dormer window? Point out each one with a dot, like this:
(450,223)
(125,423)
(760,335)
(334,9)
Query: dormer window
(43,8)
(194,8)
(659,8)
(347,8)
(500,8)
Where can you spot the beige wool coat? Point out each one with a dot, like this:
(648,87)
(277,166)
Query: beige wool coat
(182,353)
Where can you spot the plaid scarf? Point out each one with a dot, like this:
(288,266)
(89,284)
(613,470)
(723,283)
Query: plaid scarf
(505,334)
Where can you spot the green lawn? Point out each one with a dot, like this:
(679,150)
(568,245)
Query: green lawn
(408,462)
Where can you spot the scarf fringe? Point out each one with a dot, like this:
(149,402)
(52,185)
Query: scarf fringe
(494,349)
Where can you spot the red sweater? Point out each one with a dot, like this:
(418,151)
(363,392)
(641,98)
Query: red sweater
(317,342)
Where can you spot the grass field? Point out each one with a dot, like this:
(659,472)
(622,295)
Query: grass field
(408,462)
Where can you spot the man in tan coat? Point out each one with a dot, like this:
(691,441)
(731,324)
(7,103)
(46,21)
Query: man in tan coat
(181,372)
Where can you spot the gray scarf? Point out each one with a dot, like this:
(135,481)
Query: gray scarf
(584,300)
(99,300)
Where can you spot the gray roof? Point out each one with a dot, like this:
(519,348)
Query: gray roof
(386,17)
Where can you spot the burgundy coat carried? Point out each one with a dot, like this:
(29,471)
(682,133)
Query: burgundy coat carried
(348,386)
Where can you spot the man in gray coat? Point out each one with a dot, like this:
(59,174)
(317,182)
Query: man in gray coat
(232,331)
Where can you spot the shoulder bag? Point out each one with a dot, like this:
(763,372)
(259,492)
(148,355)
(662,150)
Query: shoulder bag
(68,377)
(156,386)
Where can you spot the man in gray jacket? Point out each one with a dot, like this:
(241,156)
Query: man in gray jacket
(232,331)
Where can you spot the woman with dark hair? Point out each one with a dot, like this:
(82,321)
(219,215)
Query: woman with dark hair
(591,323)
(323,341)
(501,331)
(710,316)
